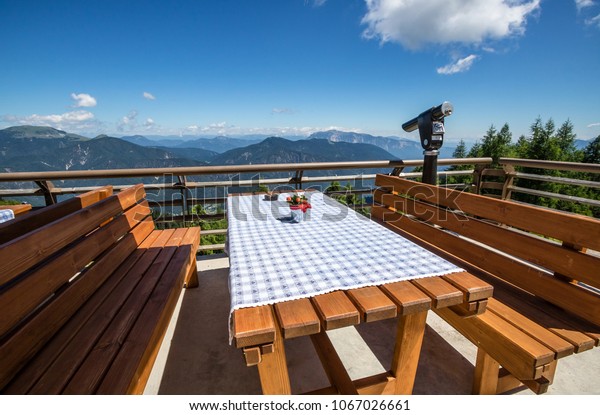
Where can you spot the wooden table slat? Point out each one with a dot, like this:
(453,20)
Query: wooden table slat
(441,292)
(297,318)
(336,310)
(473,288)
(373,304)
(253,326)
(407,297)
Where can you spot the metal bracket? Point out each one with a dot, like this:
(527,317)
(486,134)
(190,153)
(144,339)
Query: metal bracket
(297,179)
(397,171)
(46,187)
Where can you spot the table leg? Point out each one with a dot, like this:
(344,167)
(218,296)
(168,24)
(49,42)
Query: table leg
(273,370)
(485,381)
(409,339)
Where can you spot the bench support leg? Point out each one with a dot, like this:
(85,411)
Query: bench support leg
(273,370)
(409,339)
(485,381)
(191,280)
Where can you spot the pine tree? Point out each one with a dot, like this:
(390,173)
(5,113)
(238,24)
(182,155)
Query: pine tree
(591,153)
(460,151)
(565,139)
(496,144)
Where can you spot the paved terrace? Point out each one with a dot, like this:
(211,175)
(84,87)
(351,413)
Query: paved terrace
(196,359)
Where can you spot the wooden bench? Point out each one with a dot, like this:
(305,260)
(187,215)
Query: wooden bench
(18,209)
(38,218)
(87,291)
(546,301)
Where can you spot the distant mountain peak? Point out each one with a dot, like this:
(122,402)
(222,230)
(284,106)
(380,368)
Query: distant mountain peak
(277,150)
(275,139)
(32,131)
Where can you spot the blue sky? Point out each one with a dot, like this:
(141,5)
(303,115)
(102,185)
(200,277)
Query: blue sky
(208,67)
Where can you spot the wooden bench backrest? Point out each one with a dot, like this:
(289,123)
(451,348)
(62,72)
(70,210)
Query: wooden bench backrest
(539,250)
(36,219)
(48,273)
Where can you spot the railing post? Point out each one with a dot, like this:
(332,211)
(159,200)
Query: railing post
(183,192)
(477,177)
(46,187)
(297,179)
(509,178)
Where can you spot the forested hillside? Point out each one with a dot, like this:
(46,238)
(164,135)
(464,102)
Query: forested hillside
(544,142)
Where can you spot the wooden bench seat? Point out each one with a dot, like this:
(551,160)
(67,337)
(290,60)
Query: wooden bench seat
(546,301)
(88,295)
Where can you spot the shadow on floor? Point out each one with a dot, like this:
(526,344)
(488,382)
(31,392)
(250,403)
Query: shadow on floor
(441,371)
(200,360)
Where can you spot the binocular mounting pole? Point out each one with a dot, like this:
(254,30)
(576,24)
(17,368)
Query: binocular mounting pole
(431,131)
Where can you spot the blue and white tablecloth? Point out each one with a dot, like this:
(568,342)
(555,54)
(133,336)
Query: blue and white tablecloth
(6,214)
(334,248)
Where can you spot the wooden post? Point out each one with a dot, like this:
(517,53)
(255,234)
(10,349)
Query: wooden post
(273,371)
(409,339)
(509,179)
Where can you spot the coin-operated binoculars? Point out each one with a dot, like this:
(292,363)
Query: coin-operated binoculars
(431,130)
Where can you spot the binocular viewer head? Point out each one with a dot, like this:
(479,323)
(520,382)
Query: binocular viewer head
(431,125)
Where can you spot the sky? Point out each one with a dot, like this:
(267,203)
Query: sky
(293,67)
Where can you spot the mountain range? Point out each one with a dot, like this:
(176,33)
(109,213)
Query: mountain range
(31,148)
(402,148)
(46,149)
(277,150)
(28,148)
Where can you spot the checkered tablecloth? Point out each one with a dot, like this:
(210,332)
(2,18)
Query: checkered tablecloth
(334,248)
(6,214)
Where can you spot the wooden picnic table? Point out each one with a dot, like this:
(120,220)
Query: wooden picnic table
(260,330)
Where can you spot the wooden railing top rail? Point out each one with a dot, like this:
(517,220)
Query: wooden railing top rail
(207,170)
(551,165)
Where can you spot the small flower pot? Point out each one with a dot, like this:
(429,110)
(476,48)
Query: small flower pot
(297,214)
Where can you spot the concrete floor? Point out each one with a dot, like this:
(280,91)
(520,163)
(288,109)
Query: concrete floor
(197,359)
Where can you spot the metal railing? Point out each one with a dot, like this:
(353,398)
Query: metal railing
(182,184)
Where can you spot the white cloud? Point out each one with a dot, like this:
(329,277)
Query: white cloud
(315,3)
(593,125)
(70,121)
(149,96)
(128,122)
(47,120)
(583,4)
(149,123)
(83,100)
(416,23)
(282,111)
(461,65)
(595,21)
